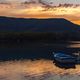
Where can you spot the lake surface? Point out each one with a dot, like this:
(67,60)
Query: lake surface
(36,70)
(33,61)
(36,50)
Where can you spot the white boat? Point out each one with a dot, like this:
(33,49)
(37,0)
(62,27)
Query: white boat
(65,58)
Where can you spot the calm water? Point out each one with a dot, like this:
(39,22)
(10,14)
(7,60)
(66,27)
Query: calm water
(32,61)
(36,70)
(35,50)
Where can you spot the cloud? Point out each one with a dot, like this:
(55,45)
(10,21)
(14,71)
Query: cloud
(50,2)
(36,10)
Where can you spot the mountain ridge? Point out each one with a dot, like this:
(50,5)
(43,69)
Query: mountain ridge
(37,25)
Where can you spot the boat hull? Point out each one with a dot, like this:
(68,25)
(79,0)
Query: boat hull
(64,58)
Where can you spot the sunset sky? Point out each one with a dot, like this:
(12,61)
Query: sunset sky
(46,1)
(39,10)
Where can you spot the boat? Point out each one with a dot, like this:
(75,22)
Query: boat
(64,58)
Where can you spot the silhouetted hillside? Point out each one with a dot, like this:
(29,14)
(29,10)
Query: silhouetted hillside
(37,25)
(23,30)
(29,38)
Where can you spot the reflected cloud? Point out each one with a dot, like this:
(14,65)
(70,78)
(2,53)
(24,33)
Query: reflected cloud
(33,70)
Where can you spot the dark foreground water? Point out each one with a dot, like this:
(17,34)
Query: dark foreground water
(33,61)
(35,50)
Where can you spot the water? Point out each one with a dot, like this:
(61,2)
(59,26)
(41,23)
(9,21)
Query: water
(33,61)
(35,50)
(36,70)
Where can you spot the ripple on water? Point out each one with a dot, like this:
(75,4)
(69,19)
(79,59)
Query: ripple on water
(36,70)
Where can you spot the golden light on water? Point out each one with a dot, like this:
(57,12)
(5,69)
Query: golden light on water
(36,70)
(37,11)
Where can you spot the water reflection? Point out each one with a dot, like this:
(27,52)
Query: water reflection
(34,50)
(36,70)
(66,65)
(33,61)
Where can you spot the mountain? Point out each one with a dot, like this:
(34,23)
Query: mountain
(37,25)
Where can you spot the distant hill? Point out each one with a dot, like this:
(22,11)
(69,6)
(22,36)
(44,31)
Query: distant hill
(37,25)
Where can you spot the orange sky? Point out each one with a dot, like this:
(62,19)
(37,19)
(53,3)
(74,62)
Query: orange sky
(37,11)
